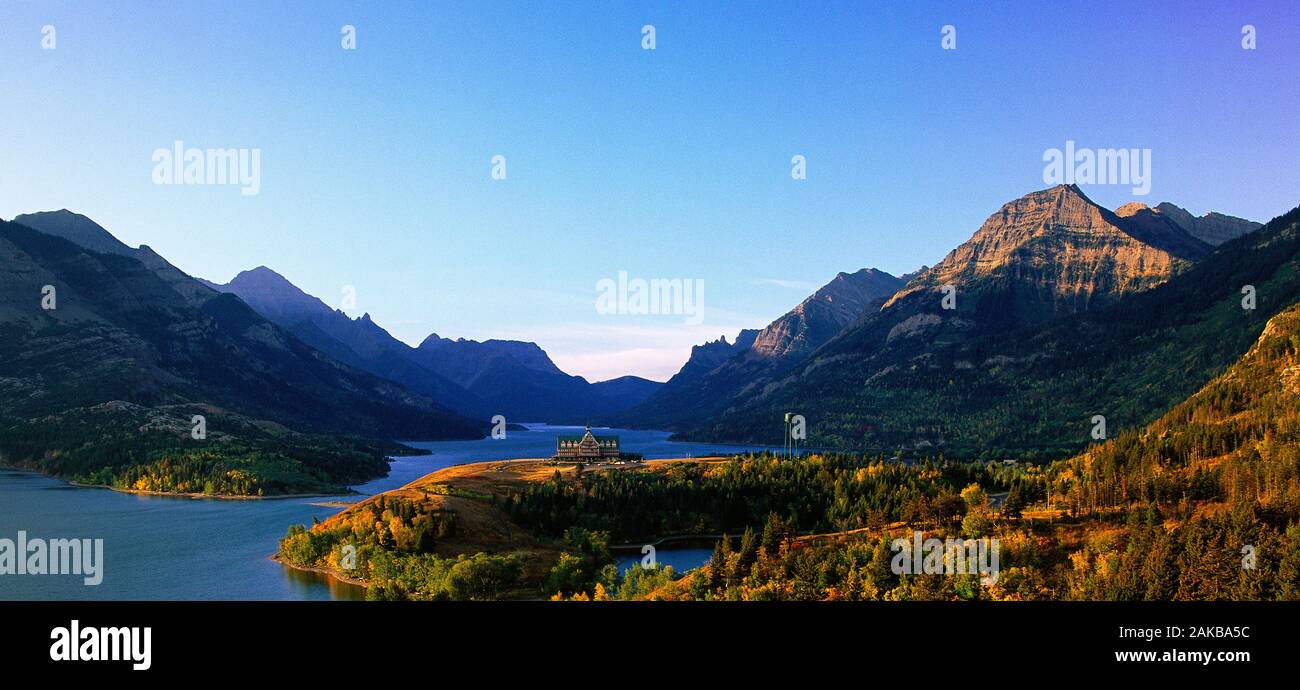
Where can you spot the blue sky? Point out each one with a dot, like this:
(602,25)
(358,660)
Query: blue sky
(671,163)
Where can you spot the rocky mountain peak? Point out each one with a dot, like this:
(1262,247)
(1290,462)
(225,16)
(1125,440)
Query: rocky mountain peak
(1064,252)
(1132,208)
(820,317)
(1212,228)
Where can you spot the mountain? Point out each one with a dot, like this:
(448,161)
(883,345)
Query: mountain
(1047,282)
(357,342)
(711,355)
(518,380)
(77,229)
(84,232)
(479,379)
(628,390)
(141,333)
(1229,441)
(122,332)
(1045,254)
(824,314)
(719,372)
(1212,228)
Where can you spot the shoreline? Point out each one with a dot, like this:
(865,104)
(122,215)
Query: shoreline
(194,496)
(490,468)
(356,581)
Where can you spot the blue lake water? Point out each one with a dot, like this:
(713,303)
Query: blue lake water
(681,560)
(196,549)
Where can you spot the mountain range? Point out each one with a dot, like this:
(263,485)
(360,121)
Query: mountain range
(1055,310)
(718,372)
(108,353)
(999,373)
(512,378)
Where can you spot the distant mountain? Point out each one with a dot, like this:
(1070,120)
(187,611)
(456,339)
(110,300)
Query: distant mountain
(479,379)
(518,380)
(627,390)
(719,372)
(711,355)
(359,342)
(121,332)
(139,331)
(1213,228)
(1139,328)
(84,232)
(77,229)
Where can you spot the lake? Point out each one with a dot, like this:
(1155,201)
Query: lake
(209,549)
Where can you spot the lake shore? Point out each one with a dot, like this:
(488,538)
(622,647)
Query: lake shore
(483,527)
(334,575)
(193,495)
(197,495)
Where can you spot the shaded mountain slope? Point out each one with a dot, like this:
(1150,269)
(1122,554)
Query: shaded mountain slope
(718,372)
(359,342)
(517,379)
(480,379)
(122,332)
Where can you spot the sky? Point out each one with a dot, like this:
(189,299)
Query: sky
(376,163)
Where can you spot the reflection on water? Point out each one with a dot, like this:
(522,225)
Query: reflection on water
(305,582)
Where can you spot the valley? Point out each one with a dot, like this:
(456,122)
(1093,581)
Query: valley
(956,400)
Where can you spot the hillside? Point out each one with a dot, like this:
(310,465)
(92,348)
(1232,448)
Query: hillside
(518,379)
(358,342)
(1232,441)
(1211,228)
(627,390)
(144,334)
(478,379)
(1025,360)
(719,372)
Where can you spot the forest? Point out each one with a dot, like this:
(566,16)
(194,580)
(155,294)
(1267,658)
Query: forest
(136,448)
(389,543)
(1202,504)
(816,493)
